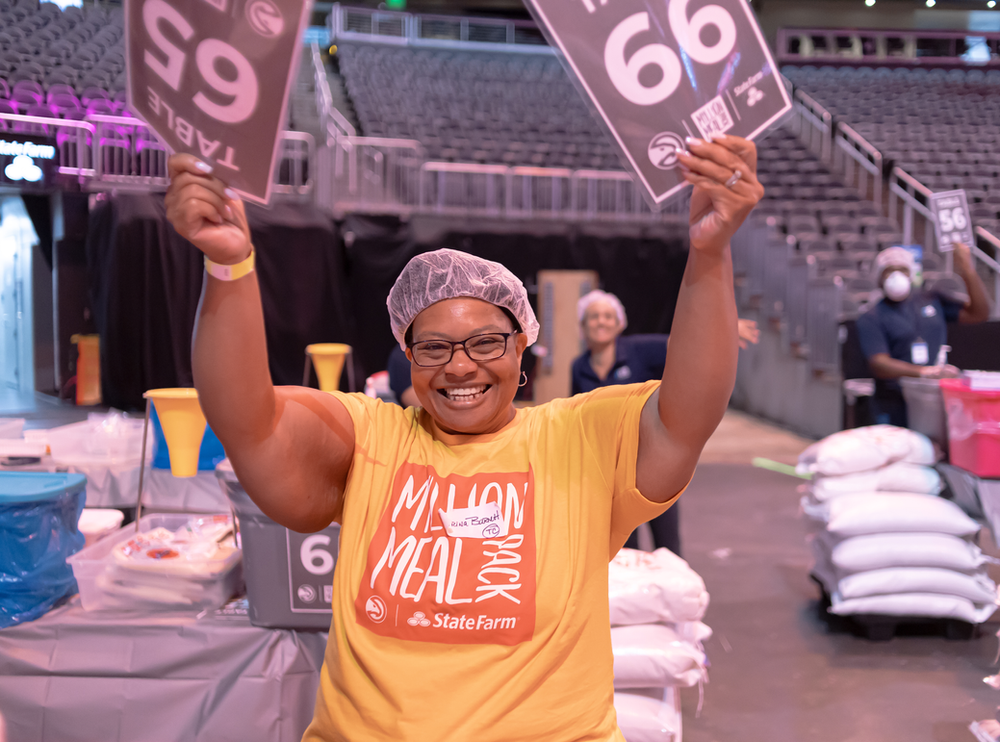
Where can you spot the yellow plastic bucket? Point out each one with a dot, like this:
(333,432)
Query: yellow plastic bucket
(183,425)
(328,360)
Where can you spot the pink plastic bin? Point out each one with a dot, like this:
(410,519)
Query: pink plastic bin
(973,428)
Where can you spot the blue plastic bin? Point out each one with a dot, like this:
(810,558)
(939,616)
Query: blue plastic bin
(209,455)
(39,517)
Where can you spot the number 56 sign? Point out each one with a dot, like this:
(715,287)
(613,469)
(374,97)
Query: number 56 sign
(951,219)
(658,72)
(211,78)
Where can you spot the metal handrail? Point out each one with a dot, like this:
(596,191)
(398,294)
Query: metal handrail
(877,38)
(820,120)
(91,168)
(300,185)
(493,179)
(81,127)
(859,150)
(911,204)
(992,264)
(334,123)
(453,31)
(530,176)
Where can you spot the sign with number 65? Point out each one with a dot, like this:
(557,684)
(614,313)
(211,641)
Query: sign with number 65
(211,78)
(952,222)
(657,73)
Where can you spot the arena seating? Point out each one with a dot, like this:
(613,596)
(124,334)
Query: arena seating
(804,257)
(61,64)
(938,125)
(475,106)
(808,247)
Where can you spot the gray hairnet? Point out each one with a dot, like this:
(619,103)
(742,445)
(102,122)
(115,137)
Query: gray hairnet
(448,274)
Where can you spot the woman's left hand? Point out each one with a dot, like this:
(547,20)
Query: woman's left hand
(721,199)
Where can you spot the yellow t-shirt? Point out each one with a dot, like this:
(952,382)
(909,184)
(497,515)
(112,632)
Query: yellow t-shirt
(442,638)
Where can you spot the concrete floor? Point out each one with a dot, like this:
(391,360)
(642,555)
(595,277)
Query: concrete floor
(741,437)
(42,410)
(779,673)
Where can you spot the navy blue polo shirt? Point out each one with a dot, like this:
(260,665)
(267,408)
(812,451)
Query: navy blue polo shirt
(638,358)
(893,327)
(399,373)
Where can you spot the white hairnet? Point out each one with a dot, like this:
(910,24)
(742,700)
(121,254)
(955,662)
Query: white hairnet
(894,257)
(597,295)
(447,274)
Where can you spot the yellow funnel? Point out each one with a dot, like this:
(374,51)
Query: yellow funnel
(328,360)
(183,425)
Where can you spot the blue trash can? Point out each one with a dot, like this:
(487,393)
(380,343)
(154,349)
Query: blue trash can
(39,517)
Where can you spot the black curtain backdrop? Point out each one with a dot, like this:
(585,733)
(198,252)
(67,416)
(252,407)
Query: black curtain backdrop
(321,283)
(146,282)
(643,269)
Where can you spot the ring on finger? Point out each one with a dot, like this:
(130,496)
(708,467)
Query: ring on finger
(734,179)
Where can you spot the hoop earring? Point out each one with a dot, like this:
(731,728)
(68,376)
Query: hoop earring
(524,378)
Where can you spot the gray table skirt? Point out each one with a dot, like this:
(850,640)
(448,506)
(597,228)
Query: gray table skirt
(74,676)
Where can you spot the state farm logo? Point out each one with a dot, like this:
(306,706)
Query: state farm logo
(23,168)
(375,609)
(419,619)
(754,96)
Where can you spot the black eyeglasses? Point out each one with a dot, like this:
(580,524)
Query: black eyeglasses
(486,347)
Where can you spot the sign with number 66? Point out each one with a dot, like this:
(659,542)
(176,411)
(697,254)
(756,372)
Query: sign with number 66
(951,219)
(211,78)
(656,73)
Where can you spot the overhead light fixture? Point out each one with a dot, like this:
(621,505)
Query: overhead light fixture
(931,3)
(991,4)
(869,3)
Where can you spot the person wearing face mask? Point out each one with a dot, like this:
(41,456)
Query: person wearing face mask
(902,335)
(612,358)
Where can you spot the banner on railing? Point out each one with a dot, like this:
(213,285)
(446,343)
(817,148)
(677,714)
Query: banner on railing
(27,161)
(952,222)
(212,79)
(660,72)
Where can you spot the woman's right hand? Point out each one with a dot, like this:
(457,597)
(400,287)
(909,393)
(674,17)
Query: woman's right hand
(205,212)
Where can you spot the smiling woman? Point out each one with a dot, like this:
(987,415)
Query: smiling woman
(444,628)
(465,350)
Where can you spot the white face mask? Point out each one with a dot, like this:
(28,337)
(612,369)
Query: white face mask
(897,286)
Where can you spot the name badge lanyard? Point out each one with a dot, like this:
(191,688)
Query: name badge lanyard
(919,350)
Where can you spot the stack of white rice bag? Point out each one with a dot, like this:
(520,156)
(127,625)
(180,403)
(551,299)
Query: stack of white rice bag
(885,543)
(657,602)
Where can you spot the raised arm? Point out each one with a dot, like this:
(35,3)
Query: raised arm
(700,371)
(978,307)
(291,447)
